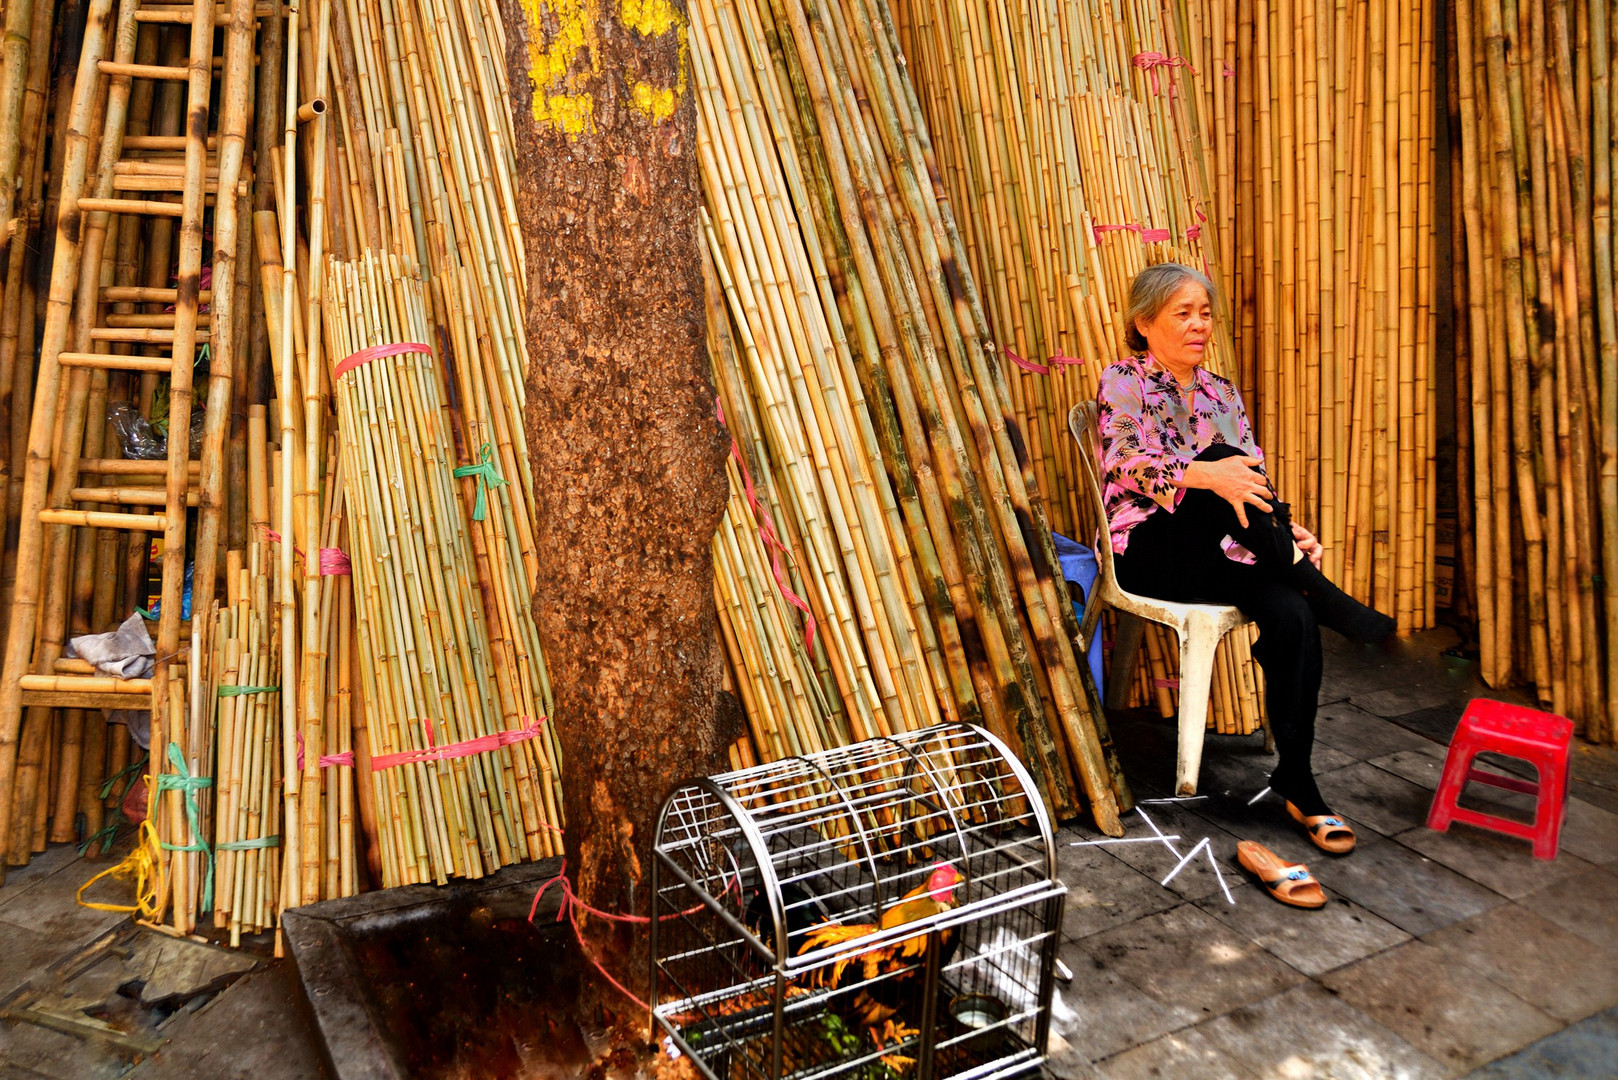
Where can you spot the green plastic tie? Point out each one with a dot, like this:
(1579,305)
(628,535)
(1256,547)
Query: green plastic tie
(228,690)
(189,785)
(487,477)
(249,845)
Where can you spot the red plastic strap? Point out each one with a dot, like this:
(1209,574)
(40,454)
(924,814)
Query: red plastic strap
(377,352)
(571,902)
(333,561)
(483,744)
(1057,361)
(1166,684)
(1193,232)
(1147,236)
(1150,61)
(326,760)
(772,541)
(1228,72)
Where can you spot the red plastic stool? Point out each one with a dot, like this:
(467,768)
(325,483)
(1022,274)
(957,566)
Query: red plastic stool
(1540,738)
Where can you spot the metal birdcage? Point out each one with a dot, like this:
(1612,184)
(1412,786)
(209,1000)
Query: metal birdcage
(912,881)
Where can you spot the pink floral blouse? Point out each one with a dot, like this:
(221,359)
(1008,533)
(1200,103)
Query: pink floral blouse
(1151,430)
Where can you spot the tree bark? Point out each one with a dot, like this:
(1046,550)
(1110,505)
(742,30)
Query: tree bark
(627,451)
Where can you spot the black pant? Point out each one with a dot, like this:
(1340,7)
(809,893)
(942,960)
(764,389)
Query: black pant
(1177,556)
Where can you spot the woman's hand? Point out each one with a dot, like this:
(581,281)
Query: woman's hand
(1233,480)
(1309,544)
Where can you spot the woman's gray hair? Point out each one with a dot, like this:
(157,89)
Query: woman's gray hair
(1151,290)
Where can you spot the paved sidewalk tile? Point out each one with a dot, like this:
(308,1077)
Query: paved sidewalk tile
(1540,962)
(1197,878)
(1585,1051)
(1503,863)
(1403,887)
(1444,1010)
(1584,904)
(1180,1056)
(1371,796)
(1353,731)
(1114,1014)
(1187,958)
(1102,891)
(1308,1032)
(1314,942)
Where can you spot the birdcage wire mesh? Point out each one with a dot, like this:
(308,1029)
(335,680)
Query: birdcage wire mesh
(751,867)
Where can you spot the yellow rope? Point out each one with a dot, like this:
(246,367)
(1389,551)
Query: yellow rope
(145,865)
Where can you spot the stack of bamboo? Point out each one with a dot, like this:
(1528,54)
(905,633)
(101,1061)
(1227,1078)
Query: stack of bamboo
(446,680)
(1104,176)
(875,443)
(1322,124)
(1533,114)
(420,178)
(368,130)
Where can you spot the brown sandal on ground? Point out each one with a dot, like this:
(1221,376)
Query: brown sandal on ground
(1290,883)
(1329,832)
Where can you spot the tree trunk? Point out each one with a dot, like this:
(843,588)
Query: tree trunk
(628,455)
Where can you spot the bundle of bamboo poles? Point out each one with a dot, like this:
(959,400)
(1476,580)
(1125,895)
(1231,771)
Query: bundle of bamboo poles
(1536,362)
(430,674)
(1322,143)
(1104,176)
(884,482)
(244,694)
(424,177)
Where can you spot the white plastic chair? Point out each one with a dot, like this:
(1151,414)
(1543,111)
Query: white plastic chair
(1200,627)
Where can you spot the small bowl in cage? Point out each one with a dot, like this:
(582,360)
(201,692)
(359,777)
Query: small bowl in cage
(977,1011)
(976,1017)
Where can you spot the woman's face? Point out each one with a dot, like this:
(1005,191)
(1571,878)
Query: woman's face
(1178,334)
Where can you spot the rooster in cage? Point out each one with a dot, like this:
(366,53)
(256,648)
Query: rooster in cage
(887,974)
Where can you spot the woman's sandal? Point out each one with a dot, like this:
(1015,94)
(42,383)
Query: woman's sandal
(1290,883)
(1329,832)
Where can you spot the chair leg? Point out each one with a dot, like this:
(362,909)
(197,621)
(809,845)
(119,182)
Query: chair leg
(1551,809)
(1125,648)
(1197,646)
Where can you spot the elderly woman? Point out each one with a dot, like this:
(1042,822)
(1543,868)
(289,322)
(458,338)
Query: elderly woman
(1193,517)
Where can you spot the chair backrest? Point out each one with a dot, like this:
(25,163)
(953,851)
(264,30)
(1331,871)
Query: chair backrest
(1083,421)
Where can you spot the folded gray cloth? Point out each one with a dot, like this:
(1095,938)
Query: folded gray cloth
(126,653)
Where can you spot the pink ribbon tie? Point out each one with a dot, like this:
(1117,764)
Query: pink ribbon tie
(1058,361)
(772,541)
(377,352)
(1149,62)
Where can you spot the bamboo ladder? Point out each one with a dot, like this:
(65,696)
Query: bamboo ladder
(131,177)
